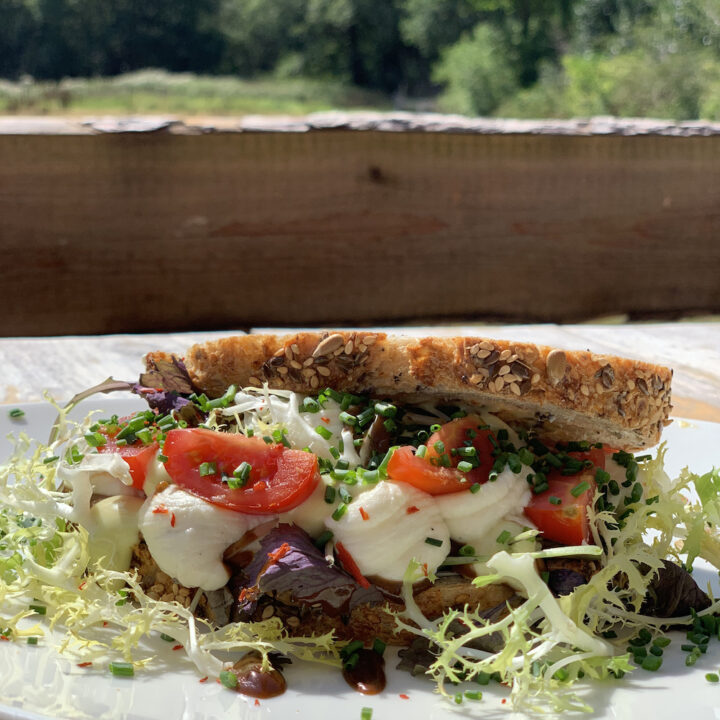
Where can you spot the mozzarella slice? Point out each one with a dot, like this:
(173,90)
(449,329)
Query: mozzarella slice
(115,530)
(107,473)
(470,517)
(400,519)
(191,550)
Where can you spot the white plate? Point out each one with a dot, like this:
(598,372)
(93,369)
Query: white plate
(36,683)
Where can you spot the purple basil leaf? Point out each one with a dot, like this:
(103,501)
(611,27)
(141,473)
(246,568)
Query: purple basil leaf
(304,572)
(170,375)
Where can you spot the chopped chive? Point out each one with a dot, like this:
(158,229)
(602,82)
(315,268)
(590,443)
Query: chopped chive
(553,460)
(39,609)
(439,447)
(144,435)
(473,695)
(339,511)
(614,487)
(434,428)
(712,677)
(580,488)
(167,638)
(16,413)
(421,451)
(370,477)
(207,468)
(366,713)
(651,663)
(122,669)
(162,458)
(379,646)
(554,500)
(382,467)
(323,432)
(228,679)
(541,488)
(32,640)
(464,466)
(475,487)
(467,452)
(662,641)
(323,539)
(503,537)
(433,541)
(466,551)
(310,405)
(601,476)
(348,419)
(51,459)
(329,494)
(242,473)
(458,699)
(95,439)
(390,425)
(345,496)
(386,410)
(483,678)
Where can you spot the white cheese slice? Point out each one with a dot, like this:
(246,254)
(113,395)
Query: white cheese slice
(400,519)
(107,473)
(114,530)
(471,517)
(191,550)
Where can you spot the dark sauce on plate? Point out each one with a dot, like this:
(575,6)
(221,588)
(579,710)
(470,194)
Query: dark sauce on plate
(368,675)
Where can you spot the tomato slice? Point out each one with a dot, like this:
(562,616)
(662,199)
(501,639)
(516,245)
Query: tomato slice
(428,475)
(137,456)
(280,478)
(566,521)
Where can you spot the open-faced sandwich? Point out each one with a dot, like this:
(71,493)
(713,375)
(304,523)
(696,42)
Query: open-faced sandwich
(476,501)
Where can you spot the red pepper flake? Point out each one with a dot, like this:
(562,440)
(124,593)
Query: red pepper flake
(4,638)
(172,519)
(105,623)
(257,703)
(425,569)
(503,701)
(177,647)
(350,565)
(326,420)
(281,552)
(84,664)
(202,680)
(241,596)
(404,696)
(412,509)
(260,485)
(160,510)
(363,514)
(82,585)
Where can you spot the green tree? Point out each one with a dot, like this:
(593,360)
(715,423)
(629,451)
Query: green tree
(477,73)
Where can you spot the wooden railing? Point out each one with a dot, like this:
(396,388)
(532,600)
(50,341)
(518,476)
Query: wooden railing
(148,225)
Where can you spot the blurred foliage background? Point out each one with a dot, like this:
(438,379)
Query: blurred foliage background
(519,58)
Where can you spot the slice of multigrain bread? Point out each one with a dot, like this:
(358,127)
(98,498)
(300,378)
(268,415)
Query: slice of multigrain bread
(561,395)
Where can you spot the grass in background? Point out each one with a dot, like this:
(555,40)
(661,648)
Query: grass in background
(161,92)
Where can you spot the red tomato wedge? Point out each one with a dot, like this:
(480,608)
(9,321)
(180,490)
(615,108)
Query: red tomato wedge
(427,475)
(280,479)
(566,522)
(138,456)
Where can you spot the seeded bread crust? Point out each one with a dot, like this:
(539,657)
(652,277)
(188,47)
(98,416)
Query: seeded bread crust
(561,395)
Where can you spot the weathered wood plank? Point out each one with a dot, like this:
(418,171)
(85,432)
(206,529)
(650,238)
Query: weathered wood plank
(148,232)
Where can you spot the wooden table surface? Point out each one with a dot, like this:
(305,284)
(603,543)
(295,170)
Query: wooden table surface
(64,365)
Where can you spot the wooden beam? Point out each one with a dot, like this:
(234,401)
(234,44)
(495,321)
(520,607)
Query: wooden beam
(160,231)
